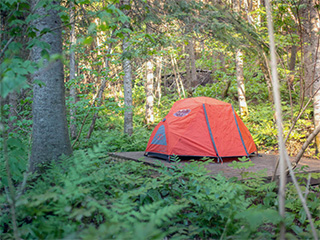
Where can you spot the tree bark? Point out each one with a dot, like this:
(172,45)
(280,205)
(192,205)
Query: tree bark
(13,101)
(149,93)
(310,30)
(193,63)
(308,14)
(176,76)
(149,85)
(127,78)
(73,91)
(316,99)
(50,137)
(240,83)
(191,66)
(276,92)
(158,78)
(188,70)
(267,76)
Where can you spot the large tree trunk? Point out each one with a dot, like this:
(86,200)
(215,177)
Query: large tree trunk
(240,83)
(127,78)
(50,137)
(73,91)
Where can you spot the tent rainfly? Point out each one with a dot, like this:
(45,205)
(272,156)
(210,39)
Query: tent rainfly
(200,127)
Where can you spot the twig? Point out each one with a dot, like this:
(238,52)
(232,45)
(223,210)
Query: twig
(304,146)
(5,47)
(307,187)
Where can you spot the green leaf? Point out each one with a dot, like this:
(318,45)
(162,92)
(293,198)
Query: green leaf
(88,40)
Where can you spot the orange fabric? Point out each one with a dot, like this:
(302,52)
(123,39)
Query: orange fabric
(187,133)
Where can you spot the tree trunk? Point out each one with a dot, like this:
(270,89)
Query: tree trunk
(149,93)
(127,78)
(223,69)
(316,99)
(188,70)
(308,20)
(73,91)
(240,83)
(100,92)
(50,137)
(193,64)
(267,76)
(311,50)
(176,77)
(158,78)
(13,100)
(149,84)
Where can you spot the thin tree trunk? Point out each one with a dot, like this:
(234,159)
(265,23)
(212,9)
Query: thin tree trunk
(101,90)
(223,68)
(283,152)
(149,85)
(50,138)
(226,89)
(193,64)
(127,78)
(165,84)
(316,99)
(149,93)
(175,77)
(267,76)
(292,62)
(13,101)
(188,70)
(158,78)
(73,91)
(240,83)
(179,77)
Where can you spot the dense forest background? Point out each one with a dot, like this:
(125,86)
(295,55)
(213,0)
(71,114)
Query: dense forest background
(83,78)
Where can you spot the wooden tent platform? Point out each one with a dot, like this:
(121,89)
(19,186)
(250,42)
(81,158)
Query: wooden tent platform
(263,162)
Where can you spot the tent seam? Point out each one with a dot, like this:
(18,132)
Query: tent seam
(235,119)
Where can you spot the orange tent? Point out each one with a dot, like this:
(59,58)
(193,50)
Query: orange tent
(201,127)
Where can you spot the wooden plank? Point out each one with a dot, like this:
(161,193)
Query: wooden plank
(265,162)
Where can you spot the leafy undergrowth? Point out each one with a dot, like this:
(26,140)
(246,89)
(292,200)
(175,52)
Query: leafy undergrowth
(91,196)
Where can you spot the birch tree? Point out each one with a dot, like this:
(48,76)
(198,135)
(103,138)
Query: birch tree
(127,78)
(149,92)
(149,85)
(240,83)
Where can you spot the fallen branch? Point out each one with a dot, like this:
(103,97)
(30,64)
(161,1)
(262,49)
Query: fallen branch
(185,72)
(304,146)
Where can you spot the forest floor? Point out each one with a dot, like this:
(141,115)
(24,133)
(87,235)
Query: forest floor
(263,165)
